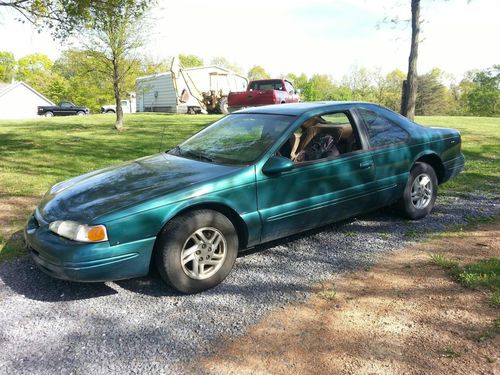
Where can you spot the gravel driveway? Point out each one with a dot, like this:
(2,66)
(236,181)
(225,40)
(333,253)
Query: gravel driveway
(49,326)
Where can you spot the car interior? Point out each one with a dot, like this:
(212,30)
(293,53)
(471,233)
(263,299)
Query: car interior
(321,137)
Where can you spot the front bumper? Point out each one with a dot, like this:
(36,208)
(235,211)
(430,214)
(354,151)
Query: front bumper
(97,262)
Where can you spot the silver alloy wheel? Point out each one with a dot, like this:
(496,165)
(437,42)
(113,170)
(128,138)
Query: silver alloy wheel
(203,253)
(421,191)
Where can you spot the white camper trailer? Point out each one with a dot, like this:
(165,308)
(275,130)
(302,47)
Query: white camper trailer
(200,89)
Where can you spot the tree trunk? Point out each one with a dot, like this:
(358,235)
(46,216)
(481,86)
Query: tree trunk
(410,97)
(116,87)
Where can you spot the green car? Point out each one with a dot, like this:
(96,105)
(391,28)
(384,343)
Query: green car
(251,177)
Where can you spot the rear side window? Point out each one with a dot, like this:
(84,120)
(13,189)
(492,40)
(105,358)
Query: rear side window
(381,130)
(266,85)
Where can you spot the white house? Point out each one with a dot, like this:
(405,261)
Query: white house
(18,100)
(178,90)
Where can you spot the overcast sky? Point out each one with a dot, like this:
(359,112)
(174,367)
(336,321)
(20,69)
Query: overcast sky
(310,36)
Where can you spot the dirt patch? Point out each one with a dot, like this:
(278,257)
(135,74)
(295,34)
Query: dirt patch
(405,315)
(13,212)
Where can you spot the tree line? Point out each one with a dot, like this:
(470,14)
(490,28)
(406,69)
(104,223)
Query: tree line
(113,31)
(76,76)
(476,94)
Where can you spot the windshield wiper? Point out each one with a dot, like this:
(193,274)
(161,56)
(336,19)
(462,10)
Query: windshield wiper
(198,156)
(195,155)
(175,151)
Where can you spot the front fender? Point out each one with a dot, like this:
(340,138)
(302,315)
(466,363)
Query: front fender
(240,198)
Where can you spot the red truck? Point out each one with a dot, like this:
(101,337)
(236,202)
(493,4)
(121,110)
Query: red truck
(263,92)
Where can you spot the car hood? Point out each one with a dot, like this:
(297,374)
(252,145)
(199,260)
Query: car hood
(89,196)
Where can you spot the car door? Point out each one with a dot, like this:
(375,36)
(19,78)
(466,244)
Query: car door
(318,192)
(65,109)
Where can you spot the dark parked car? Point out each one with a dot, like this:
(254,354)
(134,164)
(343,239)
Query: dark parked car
(63,109)
(251,177)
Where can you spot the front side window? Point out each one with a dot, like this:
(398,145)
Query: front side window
(322,137)
(382,131)
(235,139)
(289,87)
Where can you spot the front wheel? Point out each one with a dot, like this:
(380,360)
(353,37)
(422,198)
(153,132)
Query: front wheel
(420,192)
(196,251)
(80,113)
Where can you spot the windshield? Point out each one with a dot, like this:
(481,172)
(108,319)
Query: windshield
(235,139)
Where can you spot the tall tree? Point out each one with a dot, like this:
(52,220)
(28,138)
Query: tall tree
(257,72)
(61,17)
(190,61)
(410,87)
(389,90)
(484,97)
(320,87)
(362,83)
(80,83)
(432,98)
(225,63)
(7,66)
(36,70)
(113,37)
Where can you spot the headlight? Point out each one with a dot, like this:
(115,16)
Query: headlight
(79,232)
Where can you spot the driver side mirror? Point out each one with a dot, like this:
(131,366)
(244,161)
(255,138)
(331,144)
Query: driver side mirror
(276,165)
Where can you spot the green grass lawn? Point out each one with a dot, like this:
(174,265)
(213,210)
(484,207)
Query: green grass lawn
(35,154)
(481,147)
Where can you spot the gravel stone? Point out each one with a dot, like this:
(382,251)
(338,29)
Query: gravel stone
(51,326)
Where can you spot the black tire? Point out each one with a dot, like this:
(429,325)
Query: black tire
(176,236)
(49,114)
(409,206)
(223,106)
(110,111)
(80,113)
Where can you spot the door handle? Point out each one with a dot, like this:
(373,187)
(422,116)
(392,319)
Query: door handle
(366,164)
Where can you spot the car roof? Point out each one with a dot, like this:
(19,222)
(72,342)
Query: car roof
(298,109)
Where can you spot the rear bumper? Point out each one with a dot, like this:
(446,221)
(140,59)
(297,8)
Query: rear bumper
(453,167)
(70,260)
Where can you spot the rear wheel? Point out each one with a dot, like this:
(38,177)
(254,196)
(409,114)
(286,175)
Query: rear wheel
(49,114)
(196,251)
(420,192)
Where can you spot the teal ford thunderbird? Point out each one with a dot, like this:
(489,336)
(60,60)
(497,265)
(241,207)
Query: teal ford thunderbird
(251,177)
